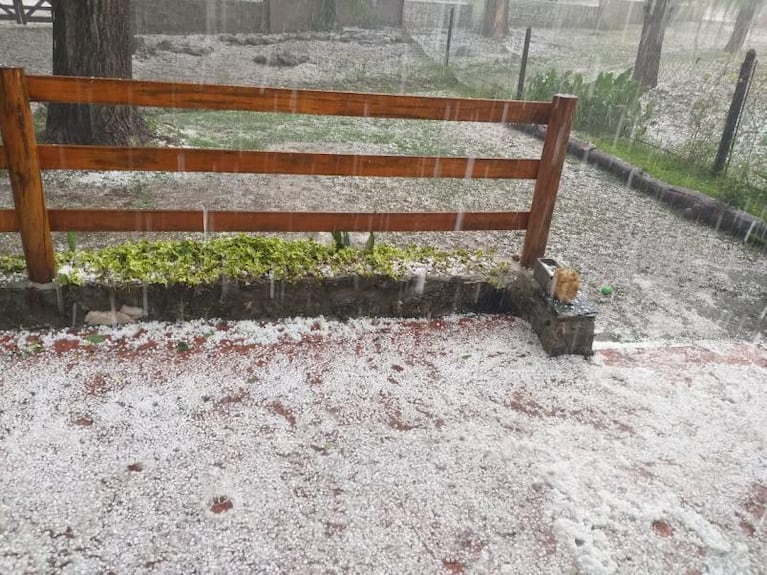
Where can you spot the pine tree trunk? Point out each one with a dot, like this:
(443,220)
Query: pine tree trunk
(93,38)
(495,20)
(501,20)
(743,22)
(656,16)
(400,18)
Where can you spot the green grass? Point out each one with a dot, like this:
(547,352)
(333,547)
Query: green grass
(676,171)
(421,78)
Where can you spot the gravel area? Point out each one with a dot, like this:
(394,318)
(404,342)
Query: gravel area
(450,446)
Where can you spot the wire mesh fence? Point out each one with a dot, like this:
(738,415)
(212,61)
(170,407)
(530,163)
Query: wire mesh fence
(685,114)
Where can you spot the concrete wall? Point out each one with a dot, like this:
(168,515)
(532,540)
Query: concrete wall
(548,14)
(369,13)
(436,13)
(290,16)
(616,14)
(240,16)
(296,15)
(196,16)
(247,16)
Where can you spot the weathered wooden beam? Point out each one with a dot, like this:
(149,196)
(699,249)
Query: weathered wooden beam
(21,160)
(103,220)
(252,162)
(74,90)
(547,183)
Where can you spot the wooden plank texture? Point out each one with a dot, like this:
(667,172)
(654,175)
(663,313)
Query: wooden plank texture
(21,159)
(73,90)
(224,221)
(8,221)
(243,161)
(547,184)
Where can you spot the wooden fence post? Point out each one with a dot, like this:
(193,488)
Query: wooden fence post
(18,6)
(18,131)
(549,173)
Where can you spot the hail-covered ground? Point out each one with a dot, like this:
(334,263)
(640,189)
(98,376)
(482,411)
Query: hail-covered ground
(395,446)
(377,446)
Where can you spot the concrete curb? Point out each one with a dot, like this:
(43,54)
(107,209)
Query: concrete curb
(691,204)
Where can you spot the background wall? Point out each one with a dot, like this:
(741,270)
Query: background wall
(435,13)
(296,15)
(197,16)
(249,16)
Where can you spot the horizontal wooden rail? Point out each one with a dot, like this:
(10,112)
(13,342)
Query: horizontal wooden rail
(25,160)
(76,90)
(224,221)
(245,161)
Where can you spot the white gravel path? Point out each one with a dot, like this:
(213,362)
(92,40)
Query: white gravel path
(377,447)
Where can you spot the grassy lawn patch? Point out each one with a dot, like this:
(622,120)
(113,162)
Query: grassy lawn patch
(677,171)
(259,131)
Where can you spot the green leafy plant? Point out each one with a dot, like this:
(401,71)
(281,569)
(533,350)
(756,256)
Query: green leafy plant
(342,240)
(12,264)
(701,145)
(72,241)
(608,105)
(247,258)
(370,243)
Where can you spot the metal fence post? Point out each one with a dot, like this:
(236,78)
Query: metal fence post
(736,109)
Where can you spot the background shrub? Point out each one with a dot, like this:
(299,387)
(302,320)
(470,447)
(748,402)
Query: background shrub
(607,106)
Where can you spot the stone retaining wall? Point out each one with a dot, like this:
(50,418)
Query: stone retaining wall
(560,329)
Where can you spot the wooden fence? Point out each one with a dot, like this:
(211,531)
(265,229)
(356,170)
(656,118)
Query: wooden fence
(16,10)
(24,159)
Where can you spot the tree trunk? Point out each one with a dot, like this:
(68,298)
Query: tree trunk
(495,20)
(266,17)
(400,13)
(743,22)
(656,16)
(93,38)
(501,20)
(600,14)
